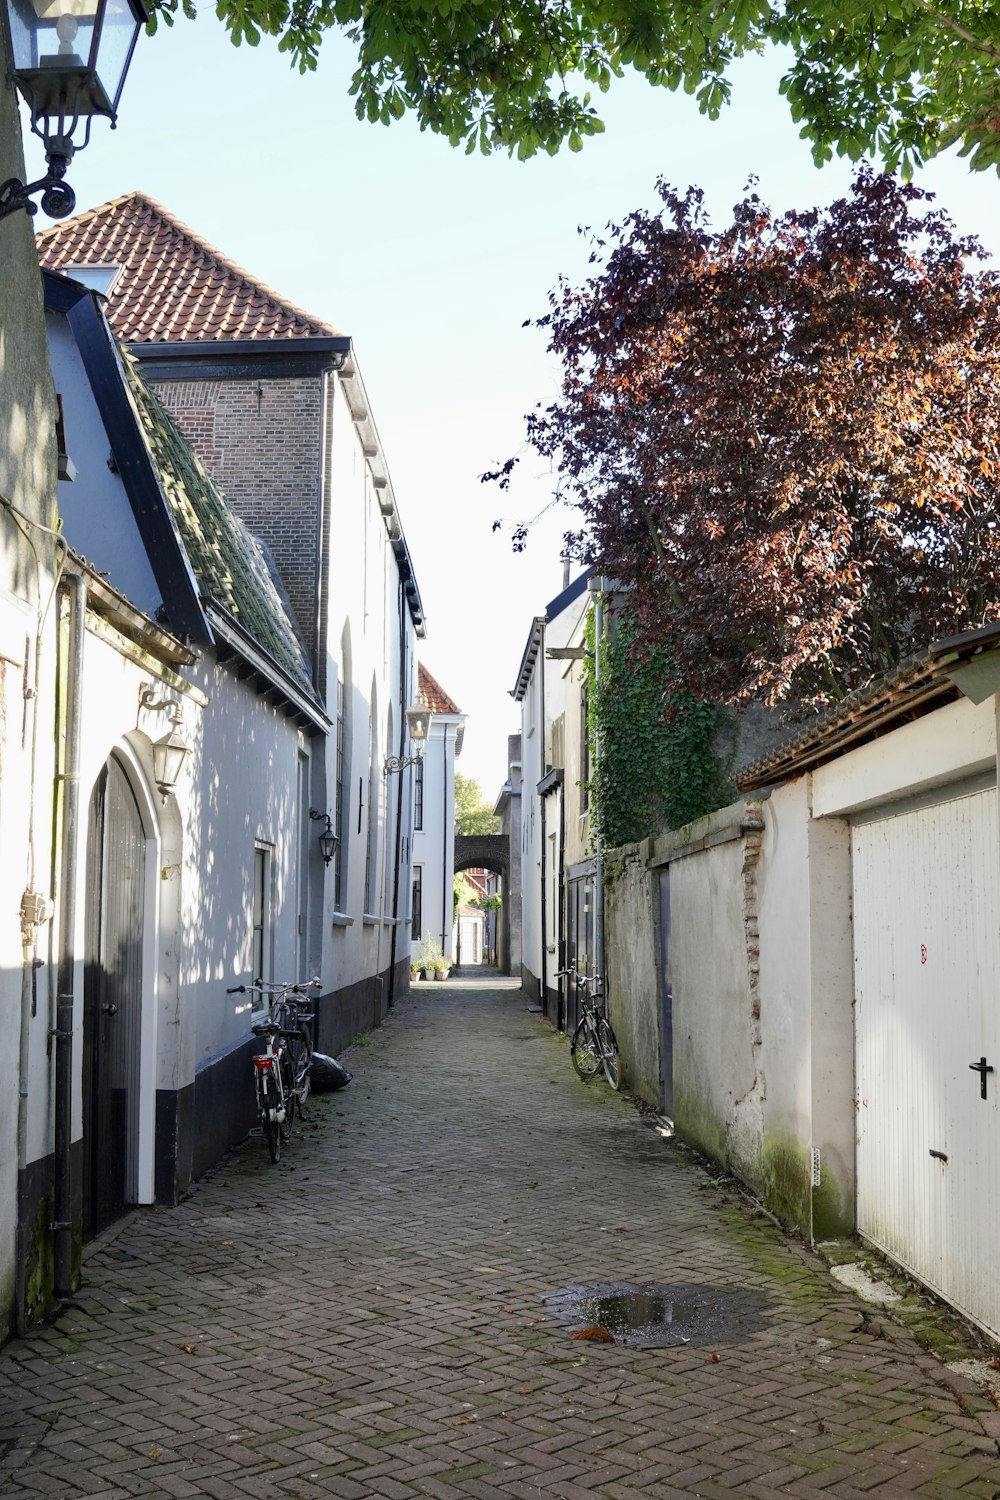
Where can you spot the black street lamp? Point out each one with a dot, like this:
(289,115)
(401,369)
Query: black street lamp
(328,840)
(69,59)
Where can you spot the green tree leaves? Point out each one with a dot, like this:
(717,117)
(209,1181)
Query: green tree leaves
(898,80)
(473,814)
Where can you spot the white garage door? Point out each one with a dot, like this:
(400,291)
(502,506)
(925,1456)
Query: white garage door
(927,997)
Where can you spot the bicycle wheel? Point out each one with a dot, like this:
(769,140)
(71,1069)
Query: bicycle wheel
(607,1045)
(302,1058)
(583,1049)
(266,1110)
(286,1095)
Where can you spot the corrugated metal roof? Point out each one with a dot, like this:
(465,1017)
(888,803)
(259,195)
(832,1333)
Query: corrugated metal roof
(967,664)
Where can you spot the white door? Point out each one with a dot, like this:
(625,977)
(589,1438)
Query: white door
(927,1008)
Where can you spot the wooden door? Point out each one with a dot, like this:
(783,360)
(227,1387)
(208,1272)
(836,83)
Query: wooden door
(112,1021)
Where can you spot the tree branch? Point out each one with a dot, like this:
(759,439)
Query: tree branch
(959,30)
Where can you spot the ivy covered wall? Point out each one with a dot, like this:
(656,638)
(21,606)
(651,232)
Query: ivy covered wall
(655,763)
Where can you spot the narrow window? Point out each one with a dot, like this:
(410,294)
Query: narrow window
(342,769)
(261,920)
(418,795)
(417,905)
(374,811)
(339,820)
(388,829)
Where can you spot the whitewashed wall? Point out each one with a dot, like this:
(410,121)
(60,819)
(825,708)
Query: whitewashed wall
(761,962)
(533,768)
(363,595)
(552,691)
(434,842)
(27,480)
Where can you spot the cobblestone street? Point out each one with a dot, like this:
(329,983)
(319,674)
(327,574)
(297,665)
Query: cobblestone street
(366,1319)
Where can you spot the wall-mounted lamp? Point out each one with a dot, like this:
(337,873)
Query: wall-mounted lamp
(418,723)
(328,840)
(170,752)
(69,59)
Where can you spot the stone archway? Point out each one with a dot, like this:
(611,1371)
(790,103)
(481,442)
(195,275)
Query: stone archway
(491,851)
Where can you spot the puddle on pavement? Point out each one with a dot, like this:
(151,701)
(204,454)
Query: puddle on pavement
(656,1316)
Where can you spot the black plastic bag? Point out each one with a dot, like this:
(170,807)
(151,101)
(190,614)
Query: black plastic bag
(328,1074)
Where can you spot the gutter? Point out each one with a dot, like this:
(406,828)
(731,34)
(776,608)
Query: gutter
(598,586)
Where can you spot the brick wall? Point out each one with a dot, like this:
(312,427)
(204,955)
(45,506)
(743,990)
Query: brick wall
(260,440)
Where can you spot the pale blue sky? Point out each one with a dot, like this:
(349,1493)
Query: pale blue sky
(432,261)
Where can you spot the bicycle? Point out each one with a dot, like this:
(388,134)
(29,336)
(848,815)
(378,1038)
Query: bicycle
(296,1019)
(594,1046)
(282,1071)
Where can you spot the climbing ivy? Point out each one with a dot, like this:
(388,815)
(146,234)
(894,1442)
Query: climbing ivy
(654,760)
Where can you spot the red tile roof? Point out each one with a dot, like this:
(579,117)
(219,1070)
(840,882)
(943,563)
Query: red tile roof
(174,287)
(433,695)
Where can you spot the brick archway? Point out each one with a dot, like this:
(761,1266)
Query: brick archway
(489,851)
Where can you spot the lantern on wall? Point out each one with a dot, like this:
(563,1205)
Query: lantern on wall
(418,724)
(68,59)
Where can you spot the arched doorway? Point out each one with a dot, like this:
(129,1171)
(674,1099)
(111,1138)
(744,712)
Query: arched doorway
(112,998)
(491,852)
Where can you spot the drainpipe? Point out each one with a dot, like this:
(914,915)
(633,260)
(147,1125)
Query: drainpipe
(541,815)
(598,847)
(35,909)
(76,587)
(446,902)
(390,1002)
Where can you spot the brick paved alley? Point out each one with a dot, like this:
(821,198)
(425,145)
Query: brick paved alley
(366,1319)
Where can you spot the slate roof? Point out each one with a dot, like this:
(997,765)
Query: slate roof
(432,694)
(230,568)
(174,287)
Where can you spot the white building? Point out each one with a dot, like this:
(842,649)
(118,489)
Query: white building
(554,825)
(273,401)
(431,906)
(144,611)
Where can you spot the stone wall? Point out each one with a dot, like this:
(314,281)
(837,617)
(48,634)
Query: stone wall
(751,1021)
(634,998)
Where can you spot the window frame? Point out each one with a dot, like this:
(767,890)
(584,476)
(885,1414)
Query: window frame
(262,918)
(416,904)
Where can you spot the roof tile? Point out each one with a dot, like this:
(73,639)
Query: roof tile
(174,287)
(432,694)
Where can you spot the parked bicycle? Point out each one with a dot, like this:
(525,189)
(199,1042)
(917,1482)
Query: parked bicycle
(594,1046)
(282,1072)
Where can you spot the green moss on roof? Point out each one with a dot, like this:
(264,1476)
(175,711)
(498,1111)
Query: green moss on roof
(229,566)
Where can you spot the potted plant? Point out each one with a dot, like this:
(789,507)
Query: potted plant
(416,969)
(442,968)
(429,959)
